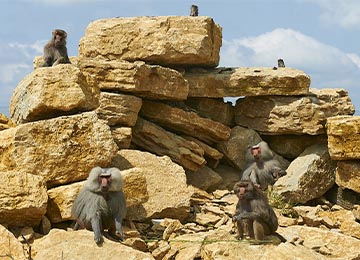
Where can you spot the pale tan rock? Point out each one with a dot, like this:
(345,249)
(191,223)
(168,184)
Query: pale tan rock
(334,244)
(308,177)
(188,245)
(207,219)
(157,140)
(161,250)
(204,178)
(62,150)
(234,149)
(185,122)
(10,247)
(215,109)
(291,146)
(343,137)
(118,109)
(310,215)
(292,115)
(50,92)
(39,61)
(246,81)
(136,243)
(122,136)
(23,198)
(80,245)
(138,78)
(167,40)
(212,155)
(5,123)
(61,199)
(169,196)
(348,174)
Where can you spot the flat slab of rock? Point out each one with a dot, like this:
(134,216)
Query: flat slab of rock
(189,123)
(166,40)
(144,80)
(343,137)
(10,246)
(23,198)
(118,109)
(246,81)
(155,139)
(62,150)
(50,92)
(80,245)
(276,115)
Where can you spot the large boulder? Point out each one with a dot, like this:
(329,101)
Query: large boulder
(343,137)
(274,115)
(165,40)
(62,150)
(169,195)
(309,176)
(50,92)
(23,198)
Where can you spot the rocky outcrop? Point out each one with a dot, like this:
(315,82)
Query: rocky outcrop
(292,115)
(50,92)
(5,123)
(235,82)
(169,40)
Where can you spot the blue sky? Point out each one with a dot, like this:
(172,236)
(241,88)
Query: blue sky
(320,37)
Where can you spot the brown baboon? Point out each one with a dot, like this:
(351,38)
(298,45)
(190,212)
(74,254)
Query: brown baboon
(253,212)
(55,51)
(261,167)
(101,204)
(194,10)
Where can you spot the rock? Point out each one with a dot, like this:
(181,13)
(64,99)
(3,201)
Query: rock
(136,243)
(275,115)
(5,123)
(10,247)
(188,123)
(205,179)
(79,245)
(246,81)
(166,40)
(310,215)
(118,109)
(329,243)
(343,137)
(157,140)
(23,198)
(122,136)
(62,150)
(212,155)
(234,149)
(138,78)
(348,174)
(229,175)
(215,109)
(308,177)
(169,196)
(61,199)
(162,249)
(291,146)
(51,92)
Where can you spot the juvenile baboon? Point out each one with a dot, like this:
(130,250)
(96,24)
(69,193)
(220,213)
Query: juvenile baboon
(55,51)
(253,212)
(101,204)
(281,63)
(194,10)
(261,167)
